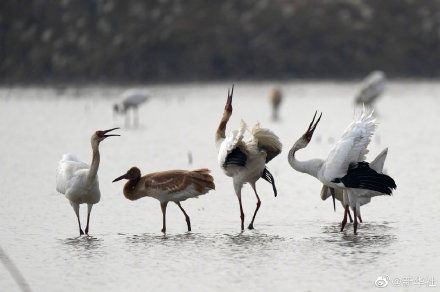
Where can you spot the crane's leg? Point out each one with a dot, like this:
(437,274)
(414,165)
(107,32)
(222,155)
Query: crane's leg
(332,192)
(89,210)
(276,114)
(344,221)
(75,207)
(251,226)
(241,214)
(135,117)
(186,216)
(237,187)
(163,206)
(349,216)
(358,211)
(355,224)
(127,119)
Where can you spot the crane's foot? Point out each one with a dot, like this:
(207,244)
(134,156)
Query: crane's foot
(86,231)
(251,226)
(164,230)
(81,232)
(355,224)
(343,223)
(344,220)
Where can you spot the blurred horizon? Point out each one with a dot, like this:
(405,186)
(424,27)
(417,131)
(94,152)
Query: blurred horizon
(137,41)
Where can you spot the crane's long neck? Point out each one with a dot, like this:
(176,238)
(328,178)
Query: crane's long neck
(95,163)
(220,134)
(130,190)
(310,167)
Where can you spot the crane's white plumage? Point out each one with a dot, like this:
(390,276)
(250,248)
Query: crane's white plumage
(351,148)
(377,164)
(262,144)
(134,97)
(131,99)
(78,181)
(244,158)
(72,181)
(364,196)
(372,87)
(233,140)
(345,169)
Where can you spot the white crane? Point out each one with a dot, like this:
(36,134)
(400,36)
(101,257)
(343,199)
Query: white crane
(78,181)
(168,186)
(377,164)
(131,99)
(372,87)
(275,99)
(245,161)
(345,167)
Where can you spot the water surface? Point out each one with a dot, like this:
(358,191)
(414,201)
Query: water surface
(296,244)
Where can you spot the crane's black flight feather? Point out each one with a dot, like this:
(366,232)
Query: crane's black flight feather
(236,157)
(361,176)
(269,177)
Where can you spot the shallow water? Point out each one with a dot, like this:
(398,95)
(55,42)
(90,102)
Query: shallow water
(296,244)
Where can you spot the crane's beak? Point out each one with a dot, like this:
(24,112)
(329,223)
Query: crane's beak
(121,177)
(309,133)
(106,131)
(228,105)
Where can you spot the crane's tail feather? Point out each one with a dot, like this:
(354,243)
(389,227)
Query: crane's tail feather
(269,177)
(203,181)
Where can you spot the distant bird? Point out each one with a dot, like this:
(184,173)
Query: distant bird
(372,87)
(190,158)
(345,167)
(78,181)
(275,99)
(60,89)
(168,186)
(245,161)
(131,99)
(377,164)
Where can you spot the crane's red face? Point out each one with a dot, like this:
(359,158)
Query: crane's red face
(309,133)
(102,134)
(228,106)
(132,173)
